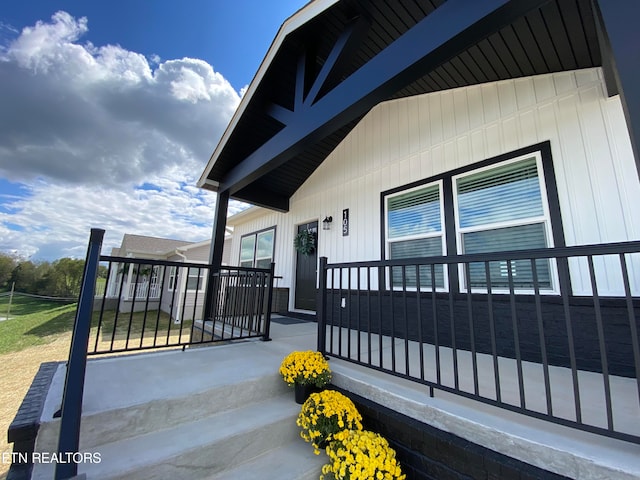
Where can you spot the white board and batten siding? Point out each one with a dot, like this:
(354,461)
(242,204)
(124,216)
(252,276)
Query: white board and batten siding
(414,138)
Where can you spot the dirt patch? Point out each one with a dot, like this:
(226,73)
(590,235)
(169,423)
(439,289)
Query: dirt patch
(17,370)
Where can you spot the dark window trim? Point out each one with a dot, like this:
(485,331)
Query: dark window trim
(256,233)
(555,215)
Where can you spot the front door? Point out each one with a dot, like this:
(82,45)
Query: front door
(306,273)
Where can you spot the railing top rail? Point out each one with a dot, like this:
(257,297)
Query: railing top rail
(227,270)
(542,253)
(153,262)
(175,263)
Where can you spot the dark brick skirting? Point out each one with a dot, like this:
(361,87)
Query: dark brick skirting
(426,453)
(24,427)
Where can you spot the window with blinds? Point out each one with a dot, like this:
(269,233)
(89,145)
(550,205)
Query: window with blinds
(415,229)
(502,209)
(498,208)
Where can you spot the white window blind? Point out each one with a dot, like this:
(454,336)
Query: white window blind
(414,229)
(503,209)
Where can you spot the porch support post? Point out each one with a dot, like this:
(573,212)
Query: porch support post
(216,249)
(619,38)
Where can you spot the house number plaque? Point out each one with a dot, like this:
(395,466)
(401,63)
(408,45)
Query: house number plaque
(345,222)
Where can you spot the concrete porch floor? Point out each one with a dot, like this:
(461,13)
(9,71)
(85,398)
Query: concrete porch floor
(153,379)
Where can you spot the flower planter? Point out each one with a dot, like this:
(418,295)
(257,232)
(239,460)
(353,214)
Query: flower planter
(302,392)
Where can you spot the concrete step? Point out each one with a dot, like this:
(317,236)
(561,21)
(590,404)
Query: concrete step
(293,461)
(139,402)
(199,448)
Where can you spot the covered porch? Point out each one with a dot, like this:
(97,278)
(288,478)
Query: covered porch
(233,417)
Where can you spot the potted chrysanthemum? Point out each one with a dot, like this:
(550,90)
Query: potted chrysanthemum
(361,454)
(325,414)
(306,371)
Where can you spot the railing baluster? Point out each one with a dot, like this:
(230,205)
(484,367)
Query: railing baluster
(117,314)
(419,318)
(572,355)
(601,342)
(516,335)
(358,313)
(543,343)
(102,307)
(633,326)
(162,284)
(474,359)
(369,347)
(393,323)
(406,319)
(133,299)
(381,281)
(146,307)
(436,340)
(492,332)
(340,312)
(348,312)
(454,350)
(332,309)
(267,320)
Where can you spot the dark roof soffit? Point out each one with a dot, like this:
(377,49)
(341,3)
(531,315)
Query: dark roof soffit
(518,38)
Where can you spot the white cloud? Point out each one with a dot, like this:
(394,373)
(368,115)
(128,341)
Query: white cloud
(103,139)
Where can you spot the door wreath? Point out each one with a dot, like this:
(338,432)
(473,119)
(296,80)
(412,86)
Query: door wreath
(305,242)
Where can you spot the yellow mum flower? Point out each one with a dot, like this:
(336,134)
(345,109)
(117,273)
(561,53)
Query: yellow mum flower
(360,454)
(324,415)
(307,368)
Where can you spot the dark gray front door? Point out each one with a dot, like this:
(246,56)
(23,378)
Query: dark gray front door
(306,273)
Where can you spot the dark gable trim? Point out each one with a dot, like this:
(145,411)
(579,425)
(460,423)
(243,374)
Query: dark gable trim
(449,212)
(273,247)
(452,28)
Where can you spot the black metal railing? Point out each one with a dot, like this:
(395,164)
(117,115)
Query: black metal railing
(550,333)
(129,304)
(149,304)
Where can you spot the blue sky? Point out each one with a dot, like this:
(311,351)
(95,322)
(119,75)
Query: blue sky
(110,111)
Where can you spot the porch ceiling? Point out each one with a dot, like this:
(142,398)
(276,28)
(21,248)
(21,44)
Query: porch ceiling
(265,156)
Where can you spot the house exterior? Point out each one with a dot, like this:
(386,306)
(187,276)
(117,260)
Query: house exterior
(500,99)
(392,171)
(173,290)
(468,174)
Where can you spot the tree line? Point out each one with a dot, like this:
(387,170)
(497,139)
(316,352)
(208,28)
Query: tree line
(60,278)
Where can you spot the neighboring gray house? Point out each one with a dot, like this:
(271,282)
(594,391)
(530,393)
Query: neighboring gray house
(173,290)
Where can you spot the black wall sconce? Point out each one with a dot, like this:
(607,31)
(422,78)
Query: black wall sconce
(326,223)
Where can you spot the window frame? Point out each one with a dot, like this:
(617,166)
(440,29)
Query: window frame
(256,235)
(554,228)
(442,234)
(544,218)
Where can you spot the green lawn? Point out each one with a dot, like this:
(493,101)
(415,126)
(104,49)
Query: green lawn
(36,322)
(33,322)
(140,329)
